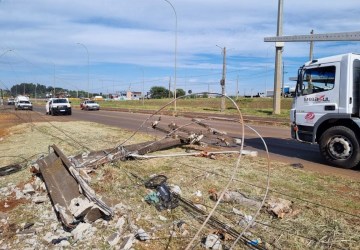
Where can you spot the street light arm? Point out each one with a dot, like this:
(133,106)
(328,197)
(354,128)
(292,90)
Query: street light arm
(5,52)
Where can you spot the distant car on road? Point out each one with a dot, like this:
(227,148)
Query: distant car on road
(58,106)
(22,102)
(10,101)
(89,105)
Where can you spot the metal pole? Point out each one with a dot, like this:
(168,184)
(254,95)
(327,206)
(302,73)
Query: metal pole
(222,82)
(278,62)
(311,47)
(54,82)
(175,51)
(87,51)
(283,73)
(237,87)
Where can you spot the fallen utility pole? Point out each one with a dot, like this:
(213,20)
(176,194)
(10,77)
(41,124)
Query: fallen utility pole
(72,203)
(100,157)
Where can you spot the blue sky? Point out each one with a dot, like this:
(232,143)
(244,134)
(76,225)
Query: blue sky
(133,41)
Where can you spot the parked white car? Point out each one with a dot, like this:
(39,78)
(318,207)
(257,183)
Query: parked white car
(58,106)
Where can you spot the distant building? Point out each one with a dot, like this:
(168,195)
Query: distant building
(126,95)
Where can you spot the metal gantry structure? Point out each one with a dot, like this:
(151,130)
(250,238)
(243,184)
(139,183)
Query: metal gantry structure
(279,44)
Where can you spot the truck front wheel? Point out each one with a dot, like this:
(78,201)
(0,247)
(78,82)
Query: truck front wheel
(340,146)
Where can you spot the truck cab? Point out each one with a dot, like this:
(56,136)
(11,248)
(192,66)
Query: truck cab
(22,102)
(326,108)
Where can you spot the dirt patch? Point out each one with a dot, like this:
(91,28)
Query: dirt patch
(11,202)
(7,120)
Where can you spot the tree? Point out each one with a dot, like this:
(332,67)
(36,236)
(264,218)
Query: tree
(180,92)
(159,92)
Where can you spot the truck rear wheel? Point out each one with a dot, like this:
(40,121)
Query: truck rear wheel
(340,146)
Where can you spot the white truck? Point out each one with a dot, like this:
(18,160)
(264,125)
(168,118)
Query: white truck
(22,102)
(326,108)
(58,106)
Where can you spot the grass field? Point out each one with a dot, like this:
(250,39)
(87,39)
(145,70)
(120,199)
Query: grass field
(248,106)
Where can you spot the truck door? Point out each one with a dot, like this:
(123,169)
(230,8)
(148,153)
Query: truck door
(317,95)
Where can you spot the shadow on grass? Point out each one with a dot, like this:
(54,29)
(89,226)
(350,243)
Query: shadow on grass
(210,109)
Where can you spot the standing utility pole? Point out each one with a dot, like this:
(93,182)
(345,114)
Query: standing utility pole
(311,47)
(237,87)
(88,65)
(278,62)
(222,81)
(170,87)
(54,82)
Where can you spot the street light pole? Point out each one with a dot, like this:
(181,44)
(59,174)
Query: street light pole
(54,83)
(175,51)
(143,80)
(87,51)
(222,82)
(1,94)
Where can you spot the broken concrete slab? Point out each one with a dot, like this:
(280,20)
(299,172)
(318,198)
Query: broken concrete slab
(83,230)
(40,199)
(142,235)
(80,206)
(28,189)
(93,214)
(279,207)
(213,242)
(113,239)
(127,242)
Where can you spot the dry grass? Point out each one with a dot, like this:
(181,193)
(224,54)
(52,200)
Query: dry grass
(313,227)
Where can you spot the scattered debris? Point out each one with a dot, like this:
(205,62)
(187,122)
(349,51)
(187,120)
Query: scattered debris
(28,189)
(234,197)
(10,169)
(212,241)
(162,199)
(113,239)
(142,235)
(279,207)
(127,242)
(297,165)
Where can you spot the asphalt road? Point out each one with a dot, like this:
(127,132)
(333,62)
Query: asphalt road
(281,146)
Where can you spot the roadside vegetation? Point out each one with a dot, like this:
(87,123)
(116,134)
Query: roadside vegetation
(249,106)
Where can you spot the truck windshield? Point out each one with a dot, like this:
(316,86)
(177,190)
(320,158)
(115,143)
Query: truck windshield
(60,101)
(316,80)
